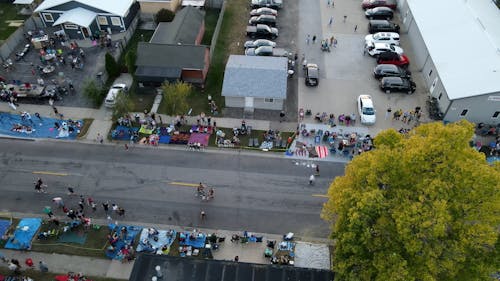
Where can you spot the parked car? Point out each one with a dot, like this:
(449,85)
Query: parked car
(391,38)
(312,74)
(264,19)
(382,13)
(375,49)
(397,84)
(259,42)
(375,26)
(113,93)
(368,4)
(267,51)
(393,58)
(262,31)
(263,11)
(390,70)
(273,4)
(366,110)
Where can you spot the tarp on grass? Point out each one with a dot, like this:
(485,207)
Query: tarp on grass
(24,233)
(164,139)
(70,236)
(14,125)
(132,232)
(4,225)
(123,132)
(200,138)
(198,242)
(148,243)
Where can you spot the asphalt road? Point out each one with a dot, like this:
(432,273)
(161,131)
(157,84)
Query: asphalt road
(154,185)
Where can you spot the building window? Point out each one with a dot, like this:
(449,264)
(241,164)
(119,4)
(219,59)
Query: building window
(464,112)
(495,115)
(48,17)
(71,26)
(440,96)
(116,21)
(269,100)
(102,20)
(430,73)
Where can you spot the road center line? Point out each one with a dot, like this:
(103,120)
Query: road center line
(49,173)
(319,195)
(186,184)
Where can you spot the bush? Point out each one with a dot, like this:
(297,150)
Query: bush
(111,66)
(93,91)
(164,15)
(130,58)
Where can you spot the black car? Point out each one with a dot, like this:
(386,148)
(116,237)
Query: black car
(397,84)
(382,13)
(264,19)
(375,26)
(390,70)
(273,4)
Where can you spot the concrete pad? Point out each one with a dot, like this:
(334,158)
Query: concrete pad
(248,252)
(119,270)
(311,255)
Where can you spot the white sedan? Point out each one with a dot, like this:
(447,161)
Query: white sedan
(391,38)
(113,93)
(376,49)
(366,110)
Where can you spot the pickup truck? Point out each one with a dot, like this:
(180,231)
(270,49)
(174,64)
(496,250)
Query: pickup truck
(262,31)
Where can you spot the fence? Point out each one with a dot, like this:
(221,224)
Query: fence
(218,26)
(9,45)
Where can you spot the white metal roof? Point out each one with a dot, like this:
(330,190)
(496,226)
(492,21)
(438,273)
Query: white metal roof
(23,2)
(116,7)
(463,39)
(79,16)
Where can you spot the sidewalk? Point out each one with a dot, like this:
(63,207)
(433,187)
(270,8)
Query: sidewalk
(314,252)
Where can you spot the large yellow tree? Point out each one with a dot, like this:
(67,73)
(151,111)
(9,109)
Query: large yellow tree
(420,207)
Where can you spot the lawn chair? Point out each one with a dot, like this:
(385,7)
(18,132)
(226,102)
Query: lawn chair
(250,142)
(256,142)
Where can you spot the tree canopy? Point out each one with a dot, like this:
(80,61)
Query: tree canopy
(164,15)
(175,97)
(419,207)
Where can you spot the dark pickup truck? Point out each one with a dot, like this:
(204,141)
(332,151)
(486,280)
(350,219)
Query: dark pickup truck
(262,31)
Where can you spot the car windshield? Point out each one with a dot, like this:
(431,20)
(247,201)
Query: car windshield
(368,111)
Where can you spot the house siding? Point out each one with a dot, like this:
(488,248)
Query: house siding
(55,16)
(235,101)
(194,76)
(260,103)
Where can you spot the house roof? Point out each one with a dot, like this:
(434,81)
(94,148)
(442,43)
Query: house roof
(465,69)
(116,7)
(171,56)
(254,76)
(23,2)
(192,269)
(79,16)
(182,30)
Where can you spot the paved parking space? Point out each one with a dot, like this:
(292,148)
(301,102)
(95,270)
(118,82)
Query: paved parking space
(345,71)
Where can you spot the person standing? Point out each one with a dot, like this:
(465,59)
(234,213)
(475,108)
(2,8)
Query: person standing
(335,42)
(345,18)
(331,21)
(314,38)
(203,215)
(105,206)
(388,113)
(311,180)
(317,170)
(282,116)
(43,267)
(355,28)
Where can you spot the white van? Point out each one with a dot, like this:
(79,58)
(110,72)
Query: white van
(113,93)
(391,38)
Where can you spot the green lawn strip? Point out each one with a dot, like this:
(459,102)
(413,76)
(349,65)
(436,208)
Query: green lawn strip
(142,98)
(87,122)
(8,12)
(40,276)
(211,16)
(10,231)
(94,245)
(259,134)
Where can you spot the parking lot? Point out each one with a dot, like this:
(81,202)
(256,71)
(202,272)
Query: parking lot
(345,72)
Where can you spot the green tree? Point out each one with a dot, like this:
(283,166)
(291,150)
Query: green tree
(112,67)
(93,91)
(123,105)
(164,15)
(130,58)
(420,207)
(175,97)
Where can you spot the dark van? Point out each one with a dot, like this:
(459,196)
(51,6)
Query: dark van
(375,26)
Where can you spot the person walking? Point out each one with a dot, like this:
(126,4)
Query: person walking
(331,40)
(105,206)
(317,170)
(331,21)
(314,39)
(335,42)
(355,28)
(311,180)
(39,186)
(282,116)
(71,191)
(345,18)
(203,215)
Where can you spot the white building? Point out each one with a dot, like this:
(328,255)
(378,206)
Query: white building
(457,48)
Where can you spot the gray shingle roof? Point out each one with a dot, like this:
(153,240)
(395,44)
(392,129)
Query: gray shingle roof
(252,76)
(183,29)
(171,56)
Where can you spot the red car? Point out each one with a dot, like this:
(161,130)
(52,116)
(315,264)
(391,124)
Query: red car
(369,4)
(393,58)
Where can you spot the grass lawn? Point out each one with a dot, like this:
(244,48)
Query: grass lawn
(12,228)
(39,276)
(259,134)
(8,12)
(211,16)
(86,125)
(94,245)
(142,98)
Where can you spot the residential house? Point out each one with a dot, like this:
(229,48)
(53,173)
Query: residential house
(174,52)
(254,82)
(81,19)
(150,7)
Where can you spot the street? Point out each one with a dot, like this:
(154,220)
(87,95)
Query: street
(155,185)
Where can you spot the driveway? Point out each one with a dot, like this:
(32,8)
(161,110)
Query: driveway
(345,71)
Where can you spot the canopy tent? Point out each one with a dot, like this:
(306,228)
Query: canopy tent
(78,16)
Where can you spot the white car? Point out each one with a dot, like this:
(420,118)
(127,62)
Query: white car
(366,110)
(391,38)
(113,93)
(258,43)
(376,49)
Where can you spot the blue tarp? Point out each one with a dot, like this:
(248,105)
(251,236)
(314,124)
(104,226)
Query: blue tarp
(147,242)
(4,225)
(13,125)
(164,139)
(199,242)
(24,233)
(123,132)
(492,159)
(132,232)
